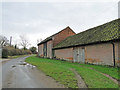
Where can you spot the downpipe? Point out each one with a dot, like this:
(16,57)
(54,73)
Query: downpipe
(113,53)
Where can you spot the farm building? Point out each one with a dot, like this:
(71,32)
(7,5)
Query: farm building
(45,47)
(98,45)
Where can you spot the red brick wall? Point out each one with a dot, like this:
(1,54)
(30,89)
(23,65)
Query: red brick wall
(40,50)
(62,35)
(49,49)
(66,54)
(101,53)
(95,54)
(117,53)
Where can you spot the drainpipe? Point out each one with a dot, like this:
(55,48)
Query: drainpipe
(113,53)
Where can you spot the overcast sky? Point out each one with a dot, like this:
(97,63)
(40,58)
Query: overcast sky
(41,19)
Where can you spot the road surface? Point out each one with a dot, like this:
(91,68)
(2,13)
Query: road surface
(16,74)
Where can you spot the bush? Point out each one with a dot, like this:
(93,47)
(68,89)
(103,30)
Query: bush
(4,53)
(33,50)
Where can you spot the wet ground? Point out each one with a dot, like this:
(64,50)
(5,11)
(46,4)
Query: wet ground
(18,74)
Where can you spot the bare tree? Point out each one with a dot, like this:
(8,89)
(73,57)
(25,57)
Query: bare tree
(3,40)
(24,41)
(39,40)
(16,43)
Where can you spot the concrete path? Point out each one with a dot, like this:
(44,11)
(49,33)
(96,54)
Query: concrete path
(15,74)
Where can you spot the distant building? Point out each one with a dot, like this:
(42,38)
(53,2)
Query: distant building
(45,47)
(98,45)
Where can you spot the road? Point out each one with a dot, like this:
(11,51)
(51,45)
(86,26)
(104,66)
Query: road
(16,74)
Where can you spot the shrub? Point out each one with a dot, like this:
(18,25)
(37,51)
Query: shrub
(33,50)
(4,53)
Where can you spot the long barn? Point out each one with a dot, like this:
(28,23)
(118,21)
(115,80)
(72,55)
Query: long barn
(98,45)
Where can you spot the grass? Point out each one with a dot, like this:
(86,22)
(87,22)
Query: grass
(13,57)
(112,71)
(16,56)
(95,79)
(61,72)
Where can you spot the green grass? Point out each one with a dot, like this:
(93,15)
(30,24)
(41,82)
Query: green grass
(95,79)
(112,71)
(16,56)
(60,71)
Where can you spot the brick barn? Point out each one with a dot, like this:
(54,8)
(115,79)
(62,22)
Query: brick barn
(98,45)
(45,47)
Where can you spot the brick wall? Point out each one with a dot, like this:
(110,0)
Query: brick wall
(95,54)
(101,53)
(117,53)
(62,35)
(40,50)
(49,49)
(66,54)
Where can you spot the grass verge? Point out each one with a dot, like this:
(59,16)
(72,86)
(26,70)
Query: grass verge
(17,56)
(60,71)
(112,71)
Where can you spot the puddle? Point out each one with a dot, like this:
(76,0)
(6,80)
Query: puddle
(22,63)
(27,64)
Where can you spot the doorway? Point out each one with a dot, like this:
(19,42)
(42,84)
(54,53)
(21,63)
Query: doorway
(79,54)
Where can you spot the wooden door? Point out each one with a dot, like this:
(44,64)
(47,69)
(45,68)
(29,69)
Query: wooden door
(75,54)
(45,50)
(79,55)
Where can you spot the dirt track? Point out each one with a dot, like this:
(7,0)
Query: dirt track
(17,75)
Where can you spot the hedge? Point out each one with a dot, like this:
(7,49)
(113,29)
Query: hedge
(11,51)
(4,53)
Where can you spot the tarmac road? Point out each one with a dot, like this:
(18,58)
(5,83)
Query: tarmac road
(17,74)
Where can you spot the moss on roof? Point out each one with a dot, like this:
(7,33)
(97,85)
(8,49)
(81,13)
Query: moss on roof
(106,32)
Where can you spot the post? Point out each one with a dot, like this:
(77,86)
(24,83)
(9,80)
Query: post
(10,40)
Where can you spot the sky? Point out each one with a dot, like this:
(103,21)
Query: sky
(39,20)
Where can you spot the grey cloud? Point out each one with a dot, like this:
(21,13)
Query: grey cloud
(33,18)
